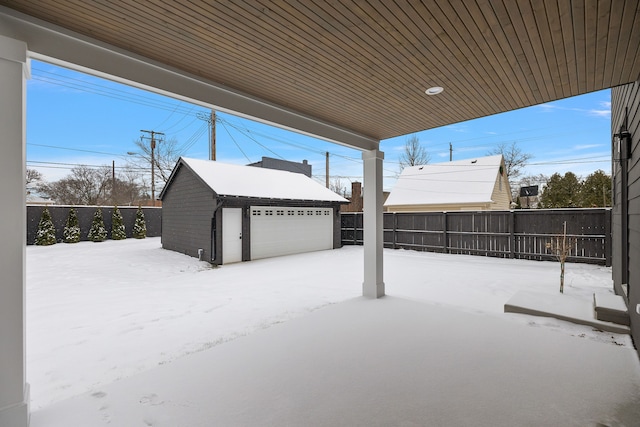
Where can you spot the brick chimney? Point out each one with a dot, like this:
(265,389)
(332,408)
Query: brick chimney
(355,205)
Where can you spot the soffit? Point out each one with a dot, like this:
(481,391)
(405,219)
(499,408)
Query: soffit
(364,65)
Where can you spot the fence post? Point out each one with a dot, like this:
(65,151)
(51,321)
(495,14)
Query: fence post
(445,246)
(607,238)
(355,228)
(512,234)
(395,230)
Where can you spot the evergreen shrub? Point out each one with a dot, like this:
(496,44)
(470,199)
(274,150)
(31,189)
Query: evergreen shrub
(97,233)
(140,227)
(117,225)
(46,234)
(71,232)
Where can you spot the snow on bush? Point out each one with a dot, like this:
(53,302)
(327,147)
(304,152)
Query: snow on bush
(140,227)
(71,232)
(97,233)
(46,234)
(117,225)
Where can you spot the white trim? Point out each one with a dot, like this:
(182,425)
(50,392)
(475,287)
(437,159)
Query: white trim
(373,285)
(14,391)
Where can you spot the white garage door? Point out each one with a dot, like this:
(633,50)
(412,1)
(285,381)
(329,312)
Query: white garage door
(282,231)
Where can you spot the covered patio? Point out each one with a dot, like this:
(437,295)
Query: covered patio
(386,362)
(287,341)
(353,73)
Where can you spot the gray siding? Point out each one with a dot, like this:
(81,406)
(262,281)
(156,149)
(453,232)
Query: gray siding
(337,228)
(187,212)
(284,165)
(625,100)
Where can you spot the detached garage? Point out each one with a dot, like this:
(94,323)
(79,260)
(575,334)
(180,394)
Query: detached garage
(225,213)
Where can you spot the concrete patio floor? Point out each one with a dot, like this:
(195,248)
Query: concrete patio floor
(387,362)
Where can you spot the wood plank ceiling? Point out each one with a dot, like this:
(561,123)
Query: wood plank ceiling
(365,64)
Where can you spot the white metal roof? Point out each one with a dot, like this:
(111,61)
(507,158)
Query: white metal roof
(461,181)
(248,181)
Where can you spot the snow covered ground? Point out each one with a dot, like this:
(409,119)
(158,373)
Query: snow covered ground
(102,312)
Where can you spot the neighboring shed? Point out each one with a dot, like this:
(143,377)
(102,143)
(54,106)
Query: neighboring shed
(226,213)
(473,184)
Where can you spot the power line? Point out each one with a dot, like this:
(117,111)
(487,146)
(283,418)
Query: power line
(234,141)
(58,165)
(74,149)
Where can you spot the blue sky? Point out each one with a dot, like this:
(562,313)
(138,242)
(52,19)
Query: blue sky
(73,119)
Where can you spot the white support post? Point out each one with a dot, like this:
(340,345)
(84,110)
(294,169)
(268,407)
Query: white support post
(373,285)
(14,391)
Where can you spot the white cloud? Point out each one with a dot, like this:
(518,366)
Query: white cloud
(547,108)
(586,146)
(458,128)
(604,110)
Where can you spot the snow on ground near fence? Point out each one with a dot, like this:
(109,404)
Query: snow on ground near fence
(99,312)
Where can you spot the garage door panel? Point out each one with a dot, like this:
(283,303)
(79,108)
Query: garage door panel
(279,231)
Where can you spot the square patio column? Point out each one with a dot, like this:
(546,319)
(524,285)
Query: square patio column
(14,391)
(373,285)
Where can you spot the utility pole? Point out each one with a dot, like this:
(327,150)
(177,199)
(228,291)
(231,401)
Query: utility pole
(153,162)
(450,152)
(213,135)
(327,169)
(211,121)
(113,181)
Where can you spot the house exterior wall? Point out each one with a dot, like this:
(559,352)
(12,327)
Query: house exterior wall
(187,212)
(625,109)
(355,201)
(501,194)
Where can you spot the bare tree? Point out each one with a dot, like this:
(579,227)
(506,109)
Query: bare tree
(514,159)
(33,177)
(414,153)
(84,186)
(338,187)
(560,246)
(88,186)
(165,156)
(33,180)
(127,188)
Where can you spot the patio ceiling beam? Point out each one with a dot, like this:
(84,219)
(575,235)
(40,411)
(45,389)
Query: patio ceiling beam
(54,44)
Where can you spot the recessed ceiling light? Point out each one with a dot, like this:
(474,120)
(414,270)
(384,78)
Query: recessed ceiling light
(434,90)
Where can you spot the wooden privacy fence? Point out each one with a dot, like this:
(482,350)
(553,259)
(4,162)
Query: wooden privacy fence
(521,234)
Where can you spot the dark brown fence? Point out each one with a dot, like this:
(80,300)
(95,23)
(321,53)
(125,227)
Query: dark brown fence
(521,234)
(152,218)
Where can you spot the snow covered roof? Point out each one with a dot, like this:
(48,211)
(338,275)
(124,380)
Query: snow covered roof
(247,181)
(462,181)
